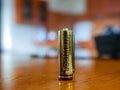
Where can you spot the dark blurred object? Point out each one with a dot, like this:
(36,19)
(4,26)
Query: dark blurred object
(108,46)
(27,10)
(118,46)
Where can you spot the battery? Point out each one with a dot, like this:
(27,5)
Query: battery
(66,62)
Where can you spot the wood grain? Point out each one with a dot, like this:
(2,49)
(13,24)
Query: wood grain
(19,72)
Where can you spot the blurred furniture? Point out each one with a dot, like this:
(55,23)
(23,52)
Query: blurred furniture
(108,46)
(34,12)
(50,51)
(31,12)
(48,42)
(83,36)
(22,73)
(83,31)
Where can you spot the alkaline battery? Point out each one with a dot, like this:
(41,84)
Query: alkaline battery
(66,61)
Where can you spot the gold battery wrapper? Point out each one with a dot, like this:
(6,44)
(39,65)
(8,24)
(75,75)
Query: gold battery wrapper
(66,62)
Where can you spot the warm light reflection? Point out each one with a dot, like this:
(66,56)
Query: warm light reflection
(66,85)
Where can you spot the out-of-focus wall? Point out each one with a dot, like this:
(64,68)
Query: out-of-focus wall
(15,37)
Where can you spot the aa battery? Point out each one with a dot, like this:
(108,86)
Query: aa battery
(66,62)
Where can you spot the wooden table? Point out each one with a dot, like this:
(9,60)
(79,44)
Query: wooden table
(23,73)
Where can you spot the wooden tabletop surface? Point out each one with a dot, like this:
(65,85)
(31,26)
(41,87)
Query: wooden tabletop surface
(23,73)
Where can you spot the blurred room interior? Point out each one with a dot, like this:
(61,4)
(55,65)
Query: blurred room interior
(29,45)
(30,27)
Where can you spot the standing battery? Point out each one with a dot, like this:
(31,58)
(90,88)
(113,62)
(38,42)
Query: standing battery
(66,62)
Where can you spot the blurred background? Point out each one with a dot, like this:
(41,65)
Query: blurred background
(30,27)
